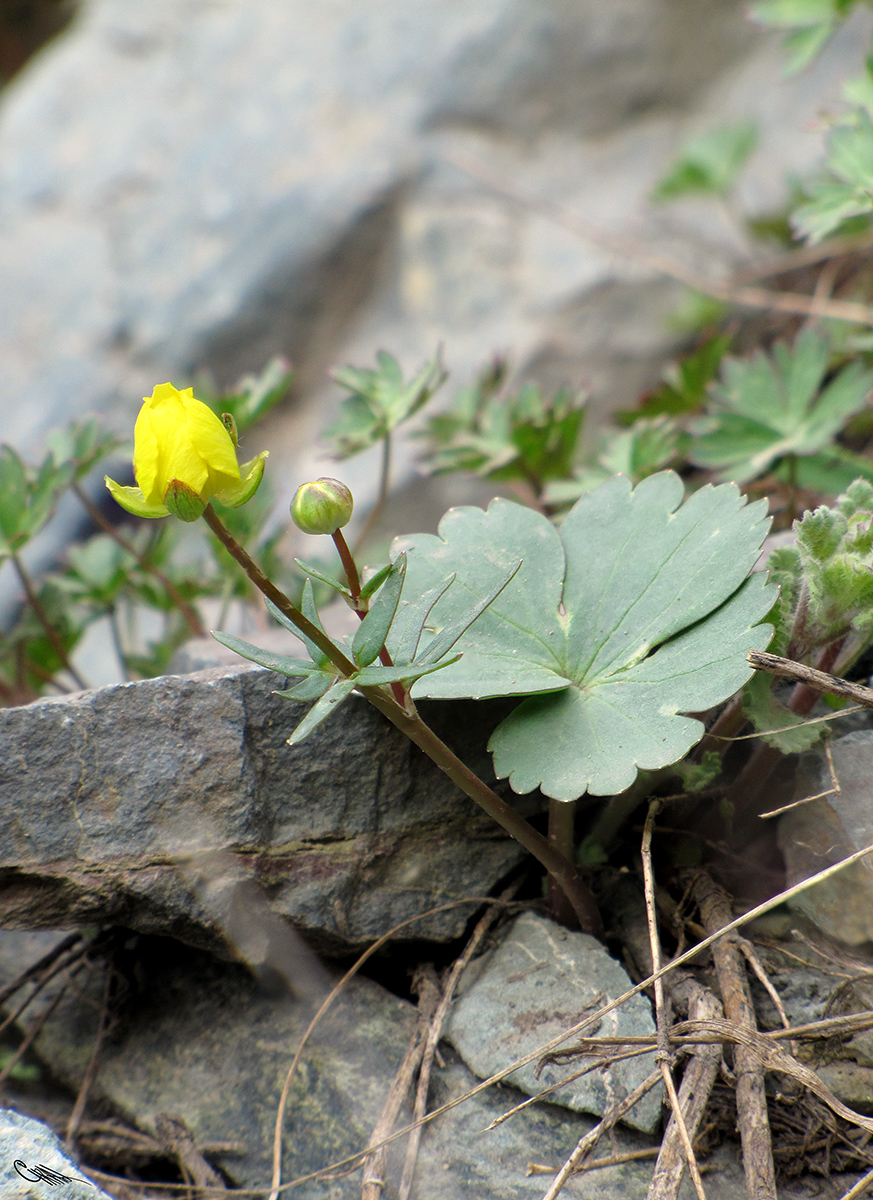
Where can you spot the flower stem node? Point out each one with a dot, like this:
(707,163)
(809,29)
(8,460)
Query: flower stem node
(323,506)
(184,456)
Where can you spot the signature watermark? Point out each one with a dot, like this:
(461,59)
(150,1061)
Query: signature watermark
(44,1174)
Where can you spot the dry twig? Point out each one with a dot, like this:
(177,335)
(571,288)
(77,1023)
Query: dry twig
(434,1033)
(663,1055)
(751,1099)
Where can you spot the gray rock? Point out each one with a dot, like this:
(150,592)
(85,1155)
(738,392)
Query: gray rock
(540,980)
(198,1040)
(33,1164)
(114,800)
(824,831)
(189,184)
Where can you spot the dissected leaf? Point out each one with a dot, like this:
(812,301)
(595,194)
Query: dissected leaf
(635,611)
(28,497)
(849,190)
(685,384)
(375,582)
(709,163)
(768,408)
(524,436)
(307,607)
(810,24)
(411,618)
(378,676)
(312,687)
(380,400)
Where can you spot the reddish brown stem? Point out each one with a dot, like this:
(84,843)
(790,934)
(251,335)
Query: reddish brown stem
(406,719)
(354,582)
(194,623)
(42,616)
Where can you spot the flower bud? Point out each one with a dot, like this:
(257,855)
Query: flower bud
(322,507)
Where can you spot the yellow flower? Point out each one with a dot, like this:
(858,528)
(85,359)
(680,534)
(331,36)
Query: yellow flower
(183,457)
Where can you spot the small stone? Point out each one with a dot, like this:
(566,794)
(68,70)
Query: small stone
(824,831)
(541,980)
(33,1164)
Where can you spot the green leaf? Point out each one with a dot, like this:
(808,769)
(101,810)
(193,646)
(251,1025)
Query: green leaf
(685,384)
(307,607)
(285,664)
(379,402)
(372,631)
(312,687)
(810,22)
(524,436)
(696,776)
(373,584)
(83,443)
(450,633)
(28,497)
(377,676)
(252,398)
(319,576)
(850,194)
(635,611)
(321,710)
(411,619)
(774,721)
(710,163)
(768,408)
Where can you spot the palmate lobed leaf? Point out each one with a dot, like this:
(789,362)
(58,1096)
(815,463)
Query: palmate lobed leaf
(767,408)
(637,610)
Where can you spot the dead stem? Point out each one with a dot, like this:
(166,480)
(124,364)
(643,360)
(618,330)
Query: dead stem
(435,1032)
(636,251)
(374,1167)
(276,1185)
(766,1045)
(754,1124)
(662,1018)
(94,1062)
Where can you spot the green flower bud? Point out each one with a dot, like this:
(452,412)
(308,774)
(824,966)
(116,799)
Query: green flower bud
(322,507)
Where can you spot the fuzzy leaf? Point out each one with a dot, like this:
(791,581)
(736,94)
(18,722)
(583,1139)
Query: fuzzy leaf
(635,611)
(776,723)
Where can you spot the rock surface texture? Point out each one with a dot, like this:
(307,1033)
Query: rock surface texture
(187,184)
(33,1164)
(539,981)
(116,802)
(826,830)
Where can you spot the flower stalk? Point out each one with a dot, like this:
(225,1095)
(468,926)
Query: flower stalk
(405,717)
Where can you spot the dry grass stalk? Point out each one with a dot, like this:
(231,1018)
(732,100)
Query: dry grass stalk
(754,1122)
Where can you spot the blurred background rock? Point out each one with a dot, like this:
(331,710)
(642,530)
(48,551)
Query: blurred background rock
(191,185)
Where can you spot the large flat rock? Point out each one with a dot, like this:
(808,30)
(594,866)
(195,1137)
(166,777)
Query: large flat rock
(117,801)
